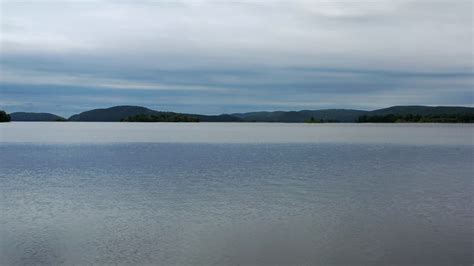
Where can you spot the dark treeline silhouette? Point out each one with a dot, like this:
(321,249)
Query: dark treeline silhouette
(409,118)
(164,117)
(313,120)
(4,117)
(394,114)
(29,116)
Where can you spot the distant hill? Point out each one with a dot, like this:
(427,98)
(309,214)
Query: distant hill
(422,110)
(31,117)
(135,113)
(415,113)
(330,115)
(112,114)
(419,114)
(351,115)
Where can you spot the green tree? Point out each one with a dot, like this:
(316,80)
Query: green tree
(4,117)
(161,117)
(313,120)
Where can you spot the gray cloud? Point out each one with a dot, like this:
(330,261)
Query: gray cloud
(246,54)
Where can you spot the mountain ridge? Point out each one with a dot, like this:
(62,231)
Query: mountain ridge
(127,112)
(35,117)
(121,112)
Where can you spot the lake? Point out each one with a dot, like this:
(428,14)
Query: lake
(236,193)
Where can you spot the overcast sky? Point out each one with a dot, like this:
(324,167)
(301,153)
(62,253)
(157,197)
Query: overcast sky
(221,57)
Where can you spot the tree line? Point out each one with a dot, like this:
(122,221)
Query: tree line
(4,117)
(166,117)
(409,118)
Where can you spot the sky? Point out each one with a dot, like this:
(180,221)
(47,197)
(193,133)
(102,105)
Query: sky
(215,57)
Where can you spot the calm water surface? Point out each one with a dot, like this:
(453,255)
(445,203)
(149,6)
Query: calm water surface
(235,194)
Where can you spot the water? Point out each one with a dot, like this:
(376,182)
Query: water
(235,194)
(87,132)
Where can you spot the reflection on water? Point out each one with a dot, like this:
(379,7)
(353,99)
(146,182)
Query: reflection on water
(218,204)
(88,132)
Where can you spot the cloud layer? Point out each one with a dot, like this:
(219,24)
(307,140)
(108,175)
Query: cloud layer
(216,56)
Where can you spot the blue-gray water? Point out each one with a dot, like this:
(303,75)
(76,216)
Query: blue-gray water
(235,194)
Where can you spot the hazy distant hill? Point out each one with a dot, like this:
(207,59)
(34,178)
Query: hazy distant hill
(118,113)
(422,110)
(24,116)
(419,114)
(139,113)
(334,115)
(112,114)
(350,115)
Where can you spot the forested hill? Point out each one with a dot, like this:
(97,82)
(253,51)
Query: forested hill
(112,114)
(24,116)
(423,110)
(143,114)
(439,114)
(428,113)
(419,114)
(135,113)
(327,115)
